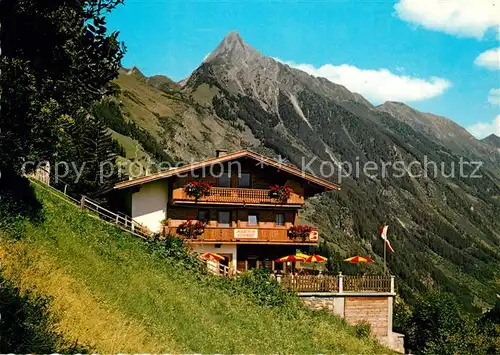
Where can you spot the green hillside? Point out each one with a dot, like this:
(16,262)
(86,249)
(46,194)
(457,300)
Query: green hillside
(107,291)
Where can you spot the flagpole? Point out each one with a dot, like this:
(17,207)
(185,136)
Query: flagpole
(385,257)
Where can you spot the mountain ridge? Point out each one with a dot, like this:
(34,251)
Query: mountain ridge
(441,129)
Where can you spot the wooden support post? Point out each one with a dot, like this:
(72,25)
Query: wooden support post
(392,283)
(272,265)
(246,265)
(258,264)
(65,189)
(341,283)
(82,202)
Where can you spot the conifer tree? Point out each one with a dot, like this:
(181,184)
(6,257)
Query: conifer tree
(57,60)
(92,152)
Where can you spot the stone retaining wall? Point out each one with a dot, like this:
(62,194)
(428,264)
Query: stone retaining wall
(376,309)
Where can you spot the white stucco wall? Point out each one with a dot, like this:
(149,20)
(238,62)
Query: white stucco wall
(149,204)
(224,249)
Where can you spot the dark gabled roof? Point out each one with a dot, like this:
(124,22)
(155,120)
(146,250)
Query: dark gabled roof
(228,157)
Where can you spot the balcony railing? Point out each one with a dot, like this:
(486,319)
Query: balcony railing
(341,283)
(237,196)
(277,235)
(306,283)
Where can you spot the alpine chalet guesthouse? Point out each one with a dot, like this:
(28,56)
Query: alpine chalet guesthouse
(241,205)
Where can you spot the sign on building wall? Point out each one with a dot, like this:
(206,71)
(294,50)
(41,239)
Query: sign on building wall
(313,236)
(246,233)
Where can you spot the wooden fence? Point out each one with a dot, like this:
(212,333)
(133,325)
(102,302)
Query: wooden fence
(121,220)
(310,283)
(217,268)
(341,283)
(375,283)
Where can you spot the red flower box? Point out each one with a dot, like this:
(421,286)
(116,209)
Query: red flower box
(197,189)
(281,193)
(300,231)
(190,229)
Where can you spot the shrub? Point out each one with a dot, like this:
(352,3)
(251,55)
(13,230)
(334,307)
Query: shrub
(265,291)
(173,248)
(300,231)
(281,193)
(190,229)
(362,330)
(197,189)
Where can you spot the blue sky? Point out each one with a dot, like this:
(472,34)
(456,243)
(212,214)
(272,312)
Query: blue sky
(422,53)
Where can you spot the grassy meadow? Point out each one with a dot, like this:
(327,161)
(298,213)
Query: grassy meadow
(111,292)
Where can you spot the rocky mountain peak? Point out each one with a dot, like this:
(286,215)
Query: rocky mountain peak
(239,68)
(232,49)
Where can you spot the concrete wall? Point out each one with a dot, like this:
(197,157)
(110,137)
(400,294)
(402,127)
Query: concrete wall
(149,204)
(223,249)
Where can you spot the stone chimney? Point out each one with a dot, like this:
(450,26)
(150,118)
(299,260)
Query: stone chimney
(220,153)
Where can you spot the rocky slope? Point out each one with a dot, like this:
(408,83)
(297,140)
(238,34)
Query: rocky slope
(492,140)
(445,229)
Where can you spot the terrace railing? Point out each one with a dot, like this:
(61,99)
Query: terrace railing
(340,283)
(306,283)
(375,283)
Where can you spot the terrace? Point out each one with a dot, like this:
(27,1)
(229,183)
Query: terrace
(369,284)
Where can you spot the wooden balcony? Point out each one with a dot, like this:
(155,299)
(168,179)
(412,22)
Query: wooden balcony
(237,196)
(248,235)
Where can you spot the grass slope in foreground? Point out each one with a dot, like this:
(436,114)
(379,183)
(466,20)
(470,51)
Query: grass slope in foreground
(112,292)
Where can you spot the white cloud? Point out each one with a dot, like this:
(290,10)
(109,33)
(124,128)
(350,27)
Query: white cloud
(484,129)
(378,85)
(489,59)
(494,96)
(468,18)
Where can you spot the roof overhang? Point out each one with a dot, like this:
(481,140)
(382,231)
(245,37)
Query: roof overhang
(225,158)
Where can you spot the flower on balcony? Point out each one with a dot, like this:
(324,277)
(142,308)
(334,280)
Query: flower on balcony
(281,193)
(197,189)
(300,231)
(190,229)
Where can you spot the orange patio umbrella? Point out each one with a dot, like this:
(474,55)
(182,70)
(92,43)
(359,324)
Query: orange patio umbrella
(212,257)
(359,259)
(289,258)
(315,258)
